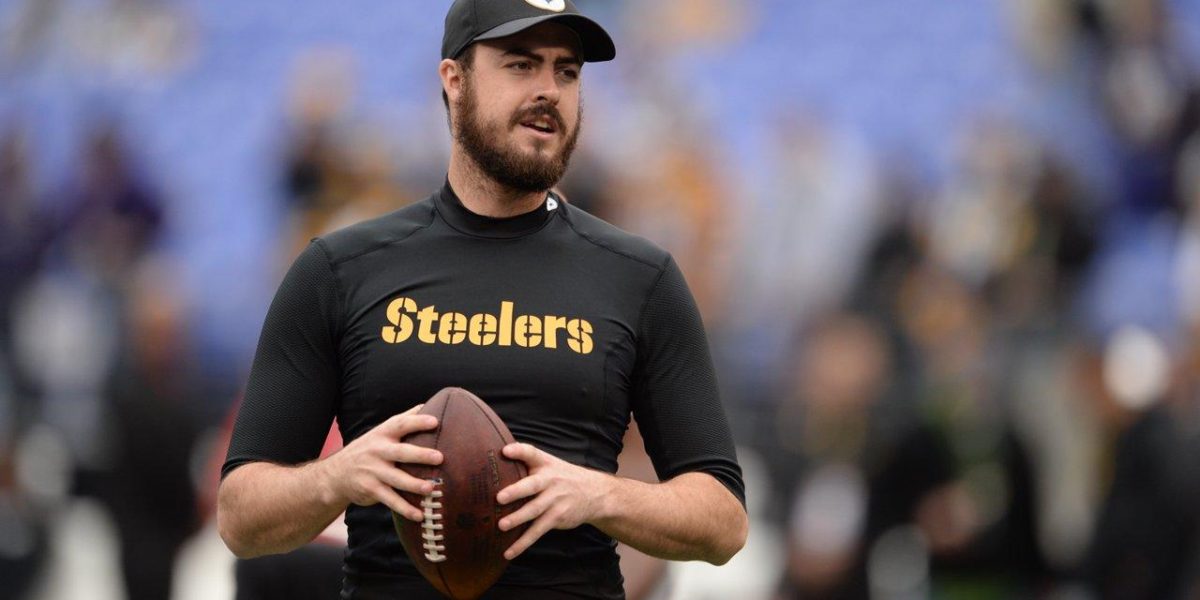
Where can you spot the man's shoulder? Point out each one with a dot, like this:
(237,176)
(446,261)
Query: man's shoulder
(614,239)
(366,236)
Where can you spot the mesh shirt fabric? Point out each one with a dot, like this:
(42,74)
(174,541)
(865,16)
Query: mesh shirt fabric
(294,378)
(689,435)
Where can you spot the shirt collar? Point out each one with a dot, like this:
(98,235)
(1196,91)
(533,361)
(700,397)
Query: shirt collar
(461,218)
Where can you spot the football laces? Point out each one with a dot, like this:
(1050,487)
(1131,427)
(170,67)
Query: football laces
(431,527)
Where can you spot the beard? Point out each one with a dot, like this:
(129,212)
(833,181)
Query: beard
(486,144)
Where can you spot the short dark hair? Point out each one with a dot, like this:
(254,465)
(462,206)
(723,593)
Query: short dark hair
(466,59)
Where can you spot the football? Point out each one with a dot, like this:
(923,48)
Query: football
(458,547)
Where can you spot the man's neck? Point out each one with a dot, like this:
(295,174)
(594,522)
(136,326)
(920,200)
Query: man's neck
(483,195)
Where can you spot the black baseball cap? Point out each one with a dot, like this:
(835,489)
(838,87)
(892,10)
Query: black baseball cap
(472,20)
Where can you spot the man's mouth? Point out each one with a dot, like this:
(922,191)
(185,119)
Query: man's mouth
(540,124)
(542,121)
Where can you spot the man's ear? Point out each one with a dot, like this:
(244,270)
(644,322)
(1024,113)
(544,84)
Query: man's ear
(452,76)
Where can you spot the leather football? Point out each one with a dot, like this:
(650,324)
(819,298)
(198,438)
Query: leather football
(458,547)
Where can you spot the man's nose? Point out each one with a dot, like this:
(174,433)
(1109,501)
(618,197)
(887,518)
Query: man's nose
(547,87)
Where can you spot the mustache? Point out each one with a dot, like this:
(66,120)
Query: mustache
(541,110)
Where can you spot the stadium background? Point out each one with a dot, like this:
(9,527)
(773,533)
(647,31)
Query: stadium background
(948,253)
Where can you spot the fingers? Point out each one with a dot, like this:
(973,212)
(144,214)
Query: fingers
(534,533)
(528,486)
(400,480)
(408,422)
(524,488)
(412,454)
(529,512)
(392,500)
(527,454)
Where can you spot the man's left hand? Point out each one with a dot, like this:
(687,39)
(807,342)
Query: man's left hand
(562,495)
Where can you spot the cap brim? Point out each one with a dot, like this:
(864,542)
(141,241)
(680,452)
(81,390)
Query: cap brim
(597,45)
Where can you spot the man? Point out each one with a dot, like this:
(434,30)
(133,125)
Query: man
(562,323)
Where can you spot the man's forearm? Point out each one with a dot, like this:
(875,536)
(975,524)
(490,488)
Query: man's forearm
(264,508)
(691,517)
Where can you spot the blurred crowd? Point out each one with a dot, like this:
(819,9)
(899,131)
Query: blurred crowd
(963,369)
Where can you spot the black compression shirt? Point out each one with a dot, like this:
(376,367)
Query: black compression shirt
(562,323)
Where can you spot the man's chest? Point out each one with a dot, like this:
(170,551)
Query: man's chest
(549,343)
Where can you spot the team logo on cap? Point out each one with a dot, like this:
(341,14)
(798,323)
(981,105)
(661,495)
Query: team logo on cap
(553,5)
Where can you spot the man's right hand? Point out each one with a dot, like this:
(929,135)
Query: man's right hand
(263,508)
(365,471)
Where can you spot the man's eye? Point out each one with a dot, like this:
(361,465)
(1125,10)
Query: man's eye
(521,66)
(570,74)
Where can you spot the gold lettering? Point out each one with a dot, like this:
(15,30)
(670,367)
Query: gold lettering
(428,316)
(552,325)
(529,331)
(506,322)
(405,318)
(402,325)
(581,338)
(482,330)
(453,328)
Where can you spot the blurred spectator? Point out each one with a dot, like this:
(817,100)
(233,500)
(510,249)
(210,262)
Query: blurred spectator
(23,546)
(154,402)
(336,171)
(1050,257)
(858,461)
(1150,98)
(797,238)
(22,240)
(1146,535)
(992,543)
(677,196)
(803,234)
(110,216)
(322,87)
(1187,262)
(23,237)
(373,187)
(65,333)
(976,225)
(1013,223)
